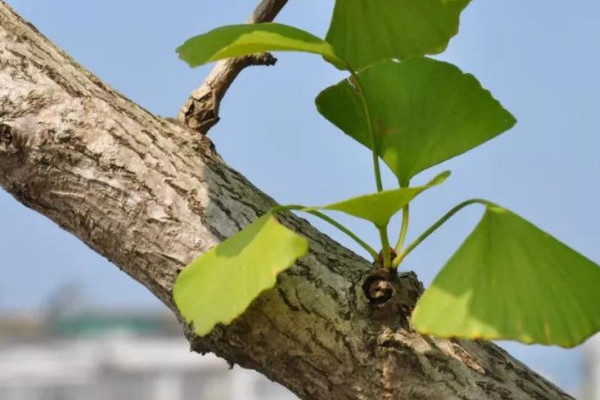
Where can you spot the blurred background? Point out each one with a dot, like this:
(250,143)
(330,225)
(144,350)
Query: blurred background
(71,323)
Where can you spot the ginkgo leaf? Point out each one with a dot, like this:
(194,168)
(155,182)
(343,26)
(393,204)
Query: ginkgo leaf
(364,32)
(219,285)
(380,207)
(239,40)
(510,280)
(423,112)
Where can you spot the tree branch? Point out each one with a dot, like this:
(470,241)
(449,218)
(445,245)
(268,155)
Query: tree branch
(151,195)
(201,110)
(266,11)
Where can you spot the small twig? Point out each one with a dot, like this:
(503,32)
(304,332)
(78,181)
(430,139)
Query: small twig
(201,110)
(266,11)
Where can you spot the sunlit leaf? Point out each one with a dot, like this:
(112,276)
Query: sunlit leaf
(380,207)
(510,280)
(219,285)
(238,40)
(364,32)
(423,112)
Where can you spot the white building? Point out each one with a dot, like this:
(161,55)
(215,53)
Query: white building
(100,358)
(592,369)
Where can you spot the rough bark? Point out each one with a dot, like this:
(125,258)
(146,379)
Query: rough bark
(150,195)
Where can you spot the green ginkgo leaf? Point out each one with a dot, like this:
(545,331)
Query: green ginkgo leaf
(510,280)
(364,32)
(423,112)
(219,285)
(239,40)
(380,207)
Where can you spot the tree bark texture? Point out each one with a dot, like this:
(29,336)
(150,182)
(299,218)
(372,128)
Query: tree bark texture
(150,195)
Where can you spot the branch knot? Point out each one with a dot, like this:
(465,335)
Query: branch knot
(8,145)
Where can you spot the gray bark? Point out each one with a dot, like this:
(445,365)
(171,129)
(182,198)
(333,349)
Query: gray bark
(150,195)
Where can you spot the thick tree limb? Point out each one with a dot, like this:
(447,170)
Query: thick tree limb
(151,195)
(201,110)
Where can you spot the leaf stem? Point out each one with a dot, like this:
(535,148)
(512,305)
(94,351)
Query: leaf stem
(374,149)
(403,229)
(383,234)
(331,221)
(385,245)
(405,223)
(347,231)
(435,226)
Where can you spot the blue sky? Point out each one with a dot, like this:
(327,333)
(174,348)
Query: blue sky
(540,59)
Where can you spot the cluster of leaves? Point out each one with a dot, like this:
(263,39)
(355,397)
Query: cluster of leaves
(508,280)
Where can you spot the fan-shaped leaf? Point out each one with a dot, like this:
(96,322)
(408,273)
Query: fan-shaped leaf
(219,285)
(364,32)
(380,207)
(510,280)
(239,40)
(423,112)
